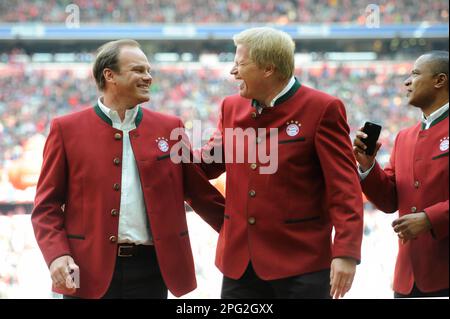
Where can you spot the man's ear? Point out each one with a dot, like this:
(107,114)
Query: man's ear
(108,74)
(269,70)
(441,80)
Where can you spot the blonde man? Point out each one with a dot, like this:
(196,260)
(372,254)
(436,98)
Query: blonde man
(276,241)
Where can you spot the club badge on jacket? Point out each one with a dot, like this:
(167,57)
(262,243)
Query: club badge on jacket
(293,127)
(163,144)
(443,146)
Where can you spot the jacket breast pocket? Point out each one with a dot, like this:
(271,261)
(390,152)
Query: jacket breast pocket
(443,155)
(165,156)
(298,150)
(294,140)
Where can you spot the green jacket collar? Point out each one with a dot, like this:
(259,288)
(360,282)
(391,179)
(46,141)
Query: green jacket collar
(284,97)
(106,119)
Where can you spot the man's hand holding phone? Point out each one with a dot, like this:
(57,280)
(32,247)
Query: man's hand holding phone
(366,145)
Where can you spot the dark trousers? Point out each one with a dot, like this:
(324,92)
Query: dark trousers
(136,277)
(314,285)
(416,293)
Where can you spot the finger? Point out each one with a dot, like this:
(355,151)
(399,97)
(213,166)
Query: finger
(403,228)
(331,282)
(61,274)
(397,221)
(360,134)
(358,143)
(336,286)
(339,287)
(348,285)
(358,151)
(58,278)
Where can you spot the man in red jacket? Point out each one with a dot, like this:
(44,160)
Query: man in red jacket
(110,201)
(276,240)
(415,182)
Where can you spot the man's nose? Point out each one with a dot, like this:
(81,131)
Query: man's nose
(407,81)
(148,77)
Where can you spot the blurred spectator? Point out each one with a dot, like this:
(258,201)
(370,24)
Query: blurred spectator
(224,11)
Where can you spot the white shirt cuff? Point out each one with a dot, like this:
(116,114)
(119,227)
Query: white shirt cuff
(363,175)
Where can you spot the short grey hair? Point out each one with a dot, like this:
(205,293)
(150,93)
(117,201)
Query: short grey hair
(438,61)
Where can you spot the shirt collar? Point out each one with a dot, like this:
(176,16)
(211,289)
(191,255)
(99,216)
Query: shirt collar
(129,120)
(428,121)
(293,83)
(283,92)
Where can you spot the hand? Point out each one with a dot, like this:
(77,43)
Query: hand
(341,276)
(365,161)
(411,225)
(60,272)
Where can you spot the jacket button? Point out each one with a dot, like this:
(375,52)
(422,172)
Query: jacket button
(116,161)
(113,239)
(413,209)
(254,115)
(116,186)
(253,166)
(252,220)
(114,212)
(258,140)
(117,136)
(416,184)
(252,193)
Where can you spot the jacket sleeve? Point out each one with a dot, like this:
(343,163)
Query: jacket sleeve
(211,156)
(48,214)
(380,187)
(199,193)
(343,190)
(438,217)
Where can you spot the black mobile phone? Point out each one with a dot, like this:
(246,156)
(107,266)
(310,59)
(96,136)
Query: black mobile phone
(373,132)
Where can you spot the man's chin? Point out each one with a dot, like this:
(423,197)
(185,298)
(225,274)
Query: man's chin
(244,94)
(144,98)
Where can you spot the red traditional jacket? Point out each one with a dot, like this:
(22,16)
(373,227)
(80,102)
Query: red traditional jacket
(78,197)
(282,222)
(416,180)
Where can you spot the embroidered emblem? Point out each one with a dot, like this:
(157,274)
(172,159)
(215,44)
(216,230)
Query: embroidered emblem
(293,127)
(163,144)
(444,144)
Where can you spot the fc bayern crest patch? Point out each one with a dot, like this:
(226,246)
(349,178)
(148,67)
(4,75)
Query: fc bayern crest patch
(443,146)
(293,127)
(163,144)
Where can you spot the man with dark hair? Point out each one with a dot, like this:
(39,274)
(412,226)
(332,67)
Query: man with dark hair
(415,182)
(110,201)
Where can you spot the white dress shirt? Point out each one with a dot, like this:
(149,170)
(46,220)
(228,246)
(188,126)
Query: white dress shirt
(133,222)
(291,83)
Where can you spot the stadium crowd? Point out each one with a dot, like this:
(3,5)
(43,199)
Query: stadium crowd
(223,11)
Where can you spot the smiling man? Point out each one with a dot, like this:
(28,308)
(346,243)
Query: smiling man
(276,241)
(415,183)
(109,202)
